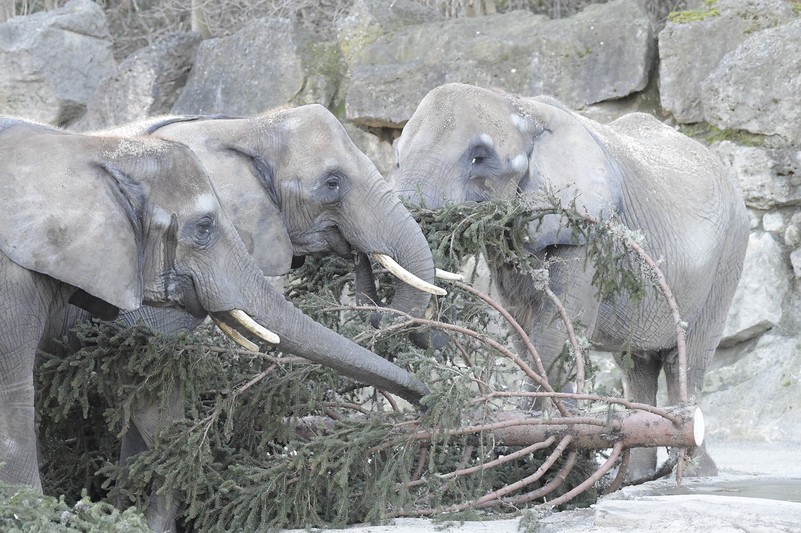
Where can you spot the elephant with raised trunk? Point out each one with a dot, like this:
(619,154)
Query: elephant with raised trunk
(109,223)
(465,143)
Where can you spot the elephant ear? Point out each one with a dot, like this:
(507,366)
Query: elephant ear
(243,178)
(568,158)
(67,213)
(257,213)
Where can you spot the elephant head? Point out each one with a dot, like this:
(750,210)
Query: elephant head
(111,223)
(466,143)
(294,184)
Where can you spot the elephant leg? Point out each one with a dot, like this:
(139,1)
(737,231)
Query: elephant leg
(150,413)
(702,341)
(640,385)
(148,417)
(702,464)
(19,464)
(25,305)
(570,280)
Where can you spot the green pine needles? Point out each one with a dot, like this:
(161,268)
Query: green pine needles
(260,441)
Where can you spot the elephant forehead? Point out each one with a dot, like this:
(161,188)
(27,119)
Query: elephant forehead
(186,207)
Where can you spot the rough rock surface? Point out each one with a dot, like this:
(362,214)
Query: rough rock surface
(253,70)
(690,51)
(768,178)
(612,55)
(52,61)
(750,90)
(582,59)
(145,84)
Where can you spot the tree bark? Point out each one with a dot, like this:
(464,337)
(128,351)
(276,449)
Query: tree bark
(632,429)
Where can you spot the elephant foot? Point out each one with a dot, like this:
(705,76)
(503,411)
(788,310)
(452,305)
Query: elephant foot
(642,464)
(160,516)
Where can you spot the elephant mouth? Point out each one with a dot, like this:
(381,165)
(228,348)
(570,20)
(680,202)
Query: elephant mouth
(236,324)
(331,240)
(321,242)
(176,290)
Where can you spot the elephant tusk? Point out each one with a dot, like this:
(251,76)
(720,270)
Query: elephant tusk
(236,336)
(254,327)
(448,276)
(407,277)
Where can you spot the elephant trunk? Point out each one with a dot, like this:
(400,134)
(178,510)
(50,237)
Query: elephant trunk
(403,241)
(300,335)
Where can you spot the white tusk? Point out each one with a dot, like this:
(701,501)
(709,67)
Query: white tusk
(448,276)
(254,327)
(407,277)
(236,336)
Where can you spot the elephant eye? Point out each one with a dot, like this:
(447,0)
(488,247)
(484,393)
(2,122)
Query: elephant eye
(331,188)
(479,155)
(332,183)
(203,231)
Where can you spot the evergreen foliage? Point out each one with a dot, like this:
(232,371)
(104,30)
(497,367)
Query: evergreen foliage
(25,511)
(269,441)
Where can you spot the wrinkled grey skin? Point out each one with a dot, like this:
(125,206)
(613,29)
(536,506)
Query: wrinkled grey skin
(464,143)
(111,223)
(293,184)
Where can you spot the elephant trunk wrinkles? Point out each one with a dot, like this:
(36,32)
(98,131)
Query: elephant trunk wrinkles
(414,255)
(408,246)
(302,336)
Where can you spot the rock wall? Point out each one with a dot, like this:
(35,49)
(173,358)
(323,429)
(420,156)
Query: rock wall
(728,73)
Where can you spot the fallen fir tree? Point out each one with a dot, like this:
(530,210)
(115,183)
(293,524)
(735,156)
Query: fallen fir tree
(271,441)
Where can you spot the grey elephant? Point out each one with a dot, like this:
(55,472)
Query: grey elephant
(293,183)
(465,143)
(108,223)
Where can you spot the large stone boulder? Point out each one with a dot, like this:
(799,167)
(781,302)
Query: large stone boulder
(52,61)
(145,84)
(757,86)
(693,45)
(765,282)
(268,63)
(369,19)
(768,178)
(604,52)
(753,391)
(581,59)
(396,71)
(378,150)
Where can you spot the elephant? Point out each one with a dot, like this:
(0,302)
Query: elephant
(293,178)
(469,144)
(109,223)
(294,183)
